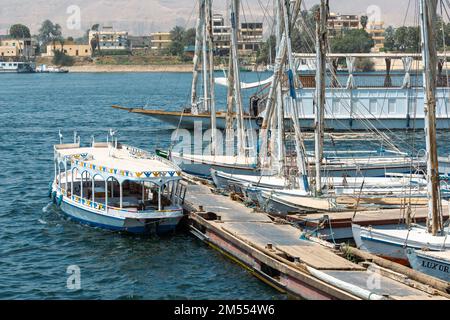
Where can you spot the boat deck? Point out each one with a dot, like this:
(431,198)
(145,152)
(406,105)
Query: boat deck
(275,252)
(123,158)
(341,222)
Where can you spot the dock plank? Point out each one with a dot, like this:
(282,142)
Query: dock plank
(378,284)
(200,195)
(286,239)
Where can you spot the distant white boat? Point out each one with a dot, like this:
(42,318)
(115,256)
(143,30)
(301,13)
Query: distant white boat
(16,67)
(50,69)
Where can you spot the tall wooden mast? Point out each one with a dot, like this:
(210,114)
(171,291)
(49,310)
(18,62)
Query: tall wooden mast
(429,54)
(234,20)
(205,61)
(196,60)
(321,45)
(212,102)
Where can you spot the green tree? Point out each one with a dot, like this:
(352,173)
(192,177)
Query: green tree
(50,33)
(364,64)
(189,37)
(180,38)
(352,41)
(61,59)
(19,31)
(266,50)
(94,44)
(45,32)
(301,36)
(176,48)
(177,34)
(364,20)
(389,39)
(56,36)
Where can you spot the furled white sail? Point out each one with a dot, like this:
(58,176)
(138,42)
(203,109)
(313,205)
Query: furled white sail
(251,85)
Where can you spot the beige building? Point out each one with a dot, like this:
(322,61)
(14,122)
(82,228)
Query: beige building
(160,40)
(338,23)
(16,48)
(250,36)
(109,39)
(73,50)
(376,30)
(221,34)
(7,51)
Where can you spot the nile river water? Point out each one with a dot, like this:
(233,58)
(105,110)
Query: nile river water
(37,244)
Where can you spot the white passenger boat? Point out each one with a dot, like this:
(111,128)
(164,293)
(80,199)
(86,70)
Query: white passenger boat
(16,67)
(117,187)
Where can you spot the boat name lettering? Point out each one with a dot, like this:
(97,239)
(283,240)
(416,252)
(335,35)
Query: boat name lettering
(435,266)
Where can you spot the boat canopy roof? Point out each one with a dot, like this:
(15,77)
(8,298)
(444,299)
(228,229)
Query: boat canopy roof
(121,162)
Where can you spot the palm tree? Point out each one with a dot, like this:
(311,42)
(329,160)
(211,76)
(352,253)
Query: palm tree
(364,20)
(56,34)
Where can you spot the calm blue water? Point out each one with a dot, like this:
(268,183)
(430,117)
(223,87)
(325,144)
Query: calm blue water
(37,243)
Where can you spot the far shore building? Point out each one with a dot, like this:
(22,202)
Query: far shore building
(110,40)
(16,48)
(139,42)
(160,40)
(250,36)
(376,30)
(73,50)
(221,35)
(339,23)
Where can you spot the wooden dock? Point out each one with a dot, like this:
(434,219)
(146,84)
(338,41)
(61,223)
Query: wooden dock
(276,253)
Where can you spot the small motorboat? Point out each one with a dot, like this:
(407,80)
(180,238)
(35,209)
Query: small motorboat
(50,69)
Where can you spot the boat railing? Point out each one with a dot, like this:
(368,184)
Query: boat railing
(134,151)
(101,206)
(367,80)
(67,146)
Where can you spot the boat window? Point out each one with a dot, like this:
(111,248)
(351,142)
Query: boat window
(336,106)
(391,106)
(373,106)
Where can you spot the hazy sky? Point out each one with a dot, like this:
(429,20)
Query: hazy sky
(144,16)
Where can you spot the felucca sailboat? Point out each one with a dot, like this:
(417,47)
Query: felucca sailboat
(289,190)
(394,243)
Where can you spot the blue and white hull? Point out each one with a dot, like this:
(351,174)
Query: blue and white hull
(88,215)
(435,264)
(393,244)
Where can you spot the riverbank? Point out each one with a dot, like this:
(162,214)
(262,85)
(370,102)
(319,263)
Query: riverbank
(130,68)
